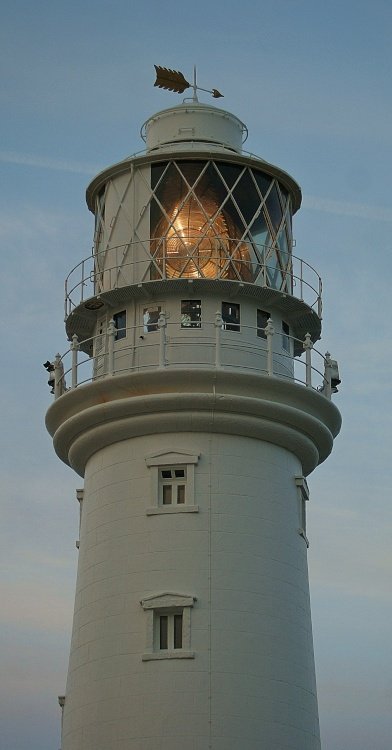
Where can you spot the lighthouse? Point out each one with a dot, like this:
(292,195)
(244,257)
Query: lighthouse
(193,403)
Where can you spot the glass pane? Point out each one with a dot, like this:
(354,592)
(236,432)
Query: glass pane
(263,182)
(177,631)
(285,336)
(181,494)
(260,234)
(120,322)
(166,494)
(247,197)
(166,473)
(150,318)
(262,320)
(163,630)
(229,172)
(179,473)
(274,208)
(190,313)
(231,316)
(274,274)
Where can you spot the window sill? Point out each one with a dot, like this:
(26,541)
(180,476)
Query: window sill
(303,535)
(158,510)
(175,654)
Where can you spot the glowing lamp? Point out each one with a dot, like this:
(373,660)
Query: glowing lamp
(200,241)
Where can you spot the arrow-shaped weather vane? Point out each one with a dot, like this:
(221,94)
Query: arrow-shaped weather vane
(173,80)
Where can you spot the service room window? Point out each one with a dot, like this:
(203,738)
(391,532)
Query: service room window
(190,313)
(231,316)
(120,322)
(170,630)
(285,336)
(302,499)
(172,485)
(150,318)
(168,626)
(262,320)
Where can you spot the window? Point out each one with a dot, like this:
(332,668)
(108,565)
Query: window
(120,322)
(285,336)
(172,483)
(172,486)
(168,626)
(191,313)
(262,320)
(150,318)
(231,316)
(302,498)
(170,630)
(79,497)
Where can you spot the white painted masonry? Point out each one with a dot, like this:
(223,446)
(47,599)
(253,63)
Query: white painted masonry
(192,625)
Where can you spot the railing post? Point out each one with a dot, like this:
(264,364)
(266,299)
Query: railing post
(82,284)
(162,340)
(320,300)
(111,337)
(218,338)
(327,376)
(59,384)
(308,346)
(301,274)
(269,331)
(74,349)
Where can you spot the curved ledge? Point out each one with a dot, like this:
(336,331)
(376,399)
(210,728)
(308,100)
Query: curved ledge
(96,415)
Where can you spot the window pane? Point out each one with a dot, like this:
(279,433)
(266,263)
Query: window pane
(179,473)
(163,630)
(166,474)
(181,494)
(120,322)
(231,316)
(150,318)
(190,313)
(166,494)
(262,320)
(177,631)
(285,337)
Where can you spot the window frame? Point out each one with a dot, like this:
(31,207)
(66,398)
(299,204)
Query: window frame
(302,499)
(151,325)
(193,323)
(227,324)
(286,337)
(170,461)
(121,331)
(167,604)
(260,329)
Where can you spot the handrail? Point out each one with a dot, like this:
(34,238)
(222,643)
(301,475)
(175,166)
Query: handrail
(272,358)
(299,279)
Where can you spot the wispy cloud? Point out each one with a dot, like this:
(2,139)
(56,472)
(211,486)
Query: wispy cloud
(62,165)
(346,208)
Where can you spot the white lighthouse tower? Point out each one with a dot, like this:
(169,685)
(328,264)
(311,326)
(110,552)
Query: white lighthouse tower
(194,404)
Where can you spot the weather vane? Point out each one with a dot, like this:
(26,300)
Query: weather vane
(173,80)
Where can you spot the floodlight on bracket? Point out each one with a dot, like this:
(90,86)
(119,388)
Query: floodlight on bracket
(174,80)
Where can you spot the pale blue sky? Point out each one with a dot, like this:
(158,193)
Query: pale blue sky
(312,82)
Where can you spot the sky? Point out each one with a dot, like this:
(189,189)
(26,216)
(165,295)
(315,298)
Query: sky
(312,82)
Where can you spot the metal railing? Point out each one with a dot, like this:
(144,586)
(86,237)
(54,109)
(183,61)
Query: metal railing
(215,339)
(103,272)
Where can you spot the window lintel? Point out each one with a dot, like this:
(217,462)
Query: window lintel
(166,600)
(302,484)
(164,458)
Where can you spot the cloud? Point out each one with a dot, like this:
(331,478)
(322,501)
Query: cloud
(346,208)
(62,165)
